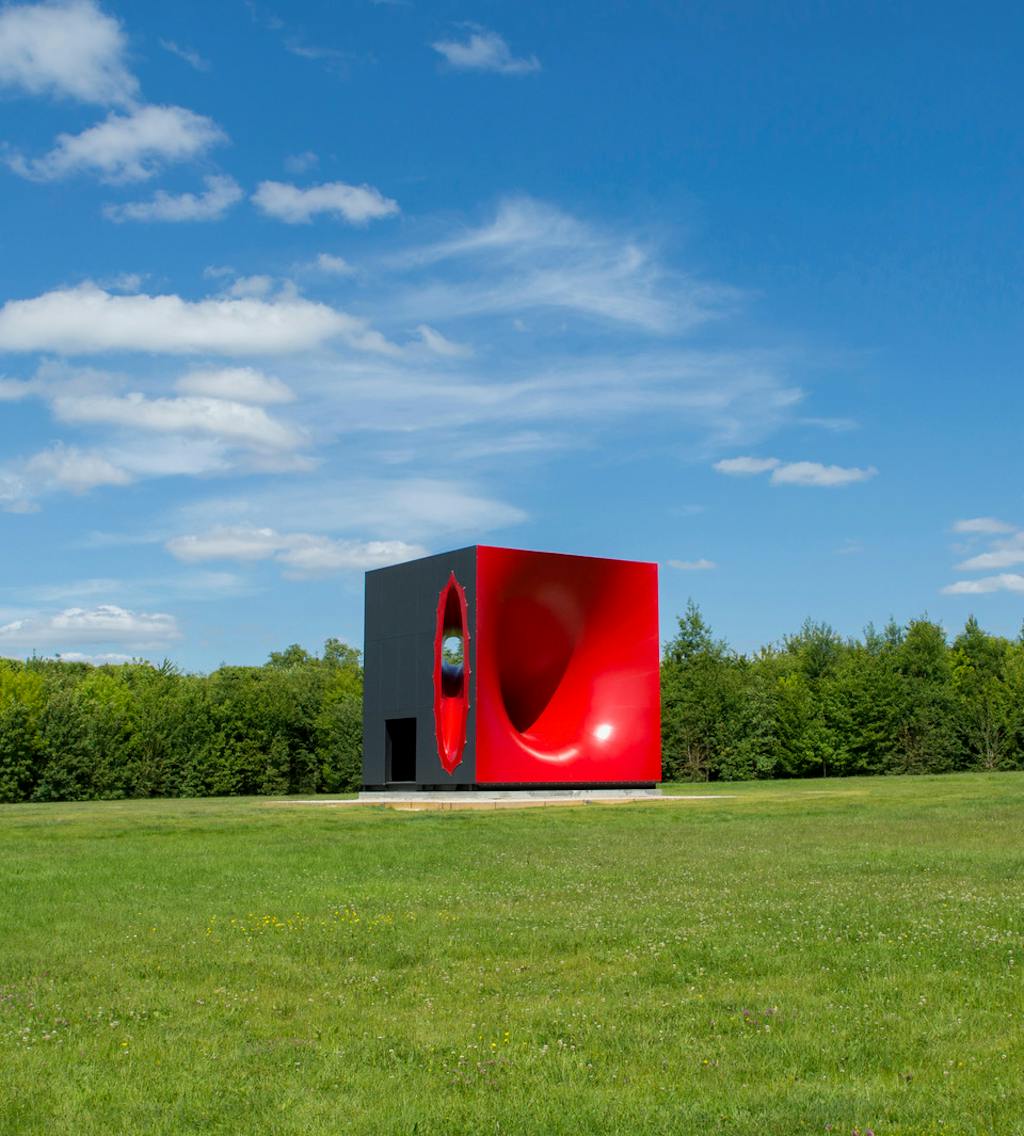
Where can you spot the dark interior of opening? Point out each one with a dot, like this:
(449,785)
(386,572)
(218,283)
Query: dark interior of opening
(453,648)
(400,748)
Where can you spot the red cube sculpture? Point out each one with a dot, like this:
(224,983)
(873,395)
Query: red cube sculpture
(490,667)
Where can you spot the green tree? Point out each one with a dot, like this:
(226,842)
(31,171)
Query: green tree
(701,695)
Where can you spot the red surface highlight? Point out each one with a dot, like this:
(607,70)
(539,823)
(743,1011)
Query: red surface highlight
(567,656)
(451,681)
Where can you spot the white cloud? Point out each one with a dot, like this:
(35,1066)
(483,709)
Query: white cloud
(103,659)
(58,468)
(795,473)
(15,494)
(301,163)
(221,193)
(89,320)
(985,525)
(106,623)
(434,341)
(231,421)
(241,384)
(519,223)
(71,49)
(1000,558)
(522,442)
(533,257)
(171,455)
(701,565)
(1004,582)
(419,508)
(836,425)
(124,282)
(1004,552)
(814,473)
(308,555)
(126,147)
(226,542)
(735,398)
(68,467)
(334,59)
(332,265)
(13,390)
(745,466)
(243,286)
(356,204)
(484,50)
(304,554)
(192,58)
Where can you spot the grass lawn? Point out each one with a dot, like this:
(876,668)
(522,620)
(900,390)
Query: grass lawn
(801,957)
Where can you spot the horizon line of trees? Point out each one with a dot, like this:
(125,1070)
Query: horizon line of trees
(901,700)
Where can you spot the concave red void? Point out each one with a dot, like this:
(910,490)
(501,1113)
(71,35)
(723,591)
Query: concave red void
(451,680)
(567,684)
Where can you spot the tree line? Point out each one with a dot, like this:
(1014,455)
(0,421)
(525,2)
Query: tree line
(901,700)
(70,731)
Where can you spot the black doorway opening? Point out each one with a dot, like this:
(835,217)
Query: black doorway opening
(400,748)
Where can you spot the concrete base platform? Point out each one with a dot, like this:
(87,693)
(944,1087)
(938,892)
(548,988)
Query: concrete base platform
(430,800)
(503,798)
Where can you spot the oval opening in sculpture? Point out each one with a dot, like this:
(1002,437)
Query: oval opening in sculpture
(451,674)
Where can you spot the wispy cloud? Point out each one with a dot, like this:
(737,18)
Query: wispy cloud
(420,508)
(1004,582)
(746,466)
(982,525)
(434,341)
(301,163)
(139,591)
(484,50)
(241,384)
(533,258)
(796,473)
(68,467)
(220,194)
(1006,550)
(701,565)
(331,265)
(301,554)
(232,421)
(186,54)
(333,58)
(606,346)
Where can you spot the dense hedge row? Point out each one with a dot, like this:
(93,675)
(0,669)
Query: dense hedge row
(70,731)
(903,700)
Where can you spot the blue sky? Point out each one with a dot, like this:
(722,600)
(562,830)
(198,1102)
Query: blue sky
(292,291)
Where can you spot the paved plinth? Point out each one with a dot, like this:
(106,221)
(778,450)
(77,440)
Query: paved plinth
(427,799)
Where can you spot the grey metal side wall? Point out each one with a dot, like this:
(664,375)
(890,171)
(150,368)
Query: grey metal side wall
(398,659)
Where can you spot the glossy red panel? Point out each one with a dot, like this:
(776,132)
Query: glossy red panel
(451,680)
(567,658)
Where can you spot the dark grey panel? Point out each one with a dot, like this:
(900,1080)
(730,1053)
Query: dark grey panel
(400,620)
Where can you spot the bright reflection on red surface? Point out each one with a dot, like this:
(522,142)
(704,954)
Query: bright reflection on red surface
(567,669)
(451,678)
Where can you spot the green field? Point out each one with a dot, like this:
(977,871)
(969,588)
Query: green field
(800,957)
